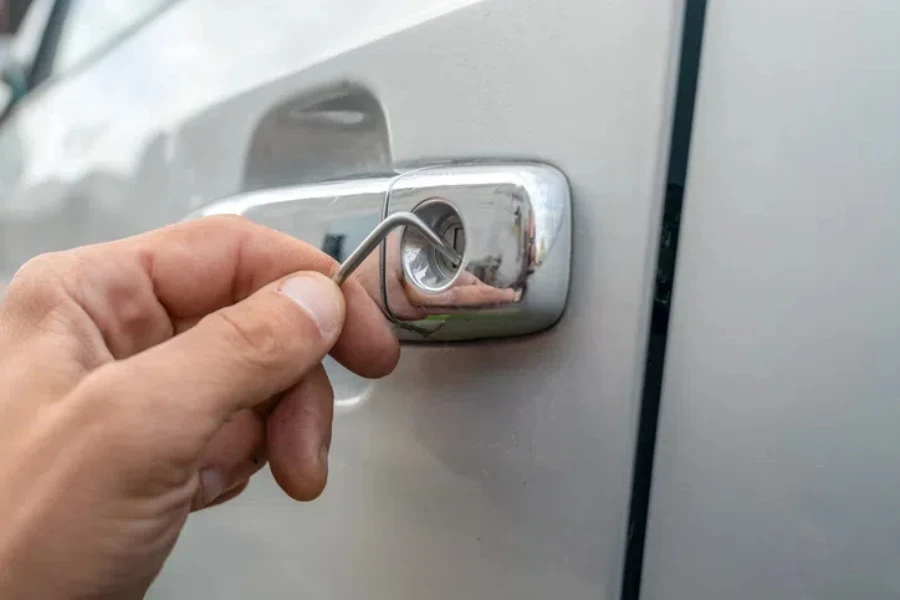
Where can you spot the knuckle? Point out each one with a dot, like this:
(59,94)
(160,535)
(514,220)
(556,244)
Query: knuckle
(40,284)
(230,222)
(236,220)
(39,271)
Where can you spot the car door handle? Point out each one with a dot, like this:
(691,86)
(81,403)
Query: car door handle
(510,225)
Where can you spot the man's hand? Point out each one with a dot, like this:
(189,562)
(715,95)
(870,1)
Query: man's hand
(145,378)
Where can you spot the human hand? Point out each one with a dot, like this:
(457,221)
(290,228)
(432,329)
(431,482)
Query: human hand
(145,378)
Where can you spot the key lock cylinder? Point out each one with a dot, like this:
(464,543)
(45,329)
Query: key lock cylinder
(455,252)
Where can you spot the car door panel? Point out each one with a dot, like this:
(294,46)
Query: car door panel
(498,470)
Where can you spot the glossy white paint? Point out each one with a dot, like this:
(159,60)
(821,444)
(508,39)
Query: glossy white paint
(499,470)
(776,463)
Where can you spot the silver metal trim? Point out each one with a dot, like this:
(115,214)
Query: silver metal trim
(516,268)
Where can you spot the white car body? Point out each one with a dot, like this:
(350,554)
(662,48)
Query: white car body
(520,468)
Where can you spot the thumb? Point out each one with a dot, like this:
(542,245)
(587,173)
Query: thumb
(238,356)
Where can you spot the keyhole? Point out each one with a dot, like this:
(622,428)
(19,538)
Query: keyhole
(451,230)
(425,266)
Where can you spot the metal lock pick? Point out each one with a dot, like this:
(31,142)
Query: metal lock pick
(400,219)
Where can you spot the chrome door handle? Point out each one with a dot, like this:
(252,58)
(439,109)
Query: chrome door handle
(510,223)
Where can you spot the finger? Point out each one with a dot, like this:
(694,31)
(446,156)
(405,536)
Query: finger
(298,436)
(230,258)
(373,352)
(367,345)
(236,452)
(141,290)
(200,266)
(230,494)
(233,359)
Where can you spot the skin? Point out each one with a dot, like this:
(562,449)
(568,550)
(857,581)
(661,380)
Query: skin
(146,378)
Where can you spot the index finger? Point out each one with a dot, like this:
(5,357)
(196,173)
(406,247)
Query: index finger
(200,266)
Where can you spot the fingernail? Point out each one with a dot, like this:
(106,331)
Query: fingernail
(318,296)
(213,483)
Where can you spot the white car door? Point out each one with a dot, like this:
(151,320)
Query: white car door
(501,469)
